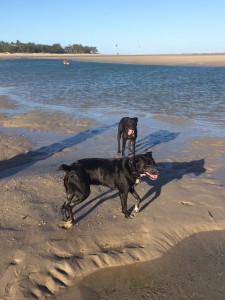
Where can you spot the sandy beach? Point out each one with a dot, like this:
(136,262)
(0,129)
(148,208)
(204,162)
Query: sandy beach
(173,249)
(164,59)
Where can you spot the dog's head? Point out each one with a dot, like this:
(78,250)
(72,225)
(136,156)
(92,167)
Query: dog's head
(131,126)
(144,165)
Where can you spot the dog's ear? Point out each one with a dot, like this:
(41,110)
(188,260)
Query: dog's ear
(136,119)
(133,163)
(64,168)
(135,159)
(149,153)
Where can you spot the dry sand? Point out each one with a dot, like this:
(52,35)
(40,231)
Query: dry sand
(173,249)
(176,59)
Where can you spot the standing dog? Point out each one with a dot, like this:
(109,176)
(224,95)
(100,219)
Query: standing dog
(128,129)
(120,173)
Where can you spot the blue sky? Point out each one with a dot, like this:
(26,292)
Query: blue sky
(118,26)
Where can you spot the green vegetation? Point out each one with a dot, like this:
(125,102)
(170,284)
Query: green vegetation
(19,47)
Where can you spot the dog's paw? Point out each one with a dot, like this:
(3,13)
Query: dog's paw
(65,225)
(130,216)
(133,214)
(136,209)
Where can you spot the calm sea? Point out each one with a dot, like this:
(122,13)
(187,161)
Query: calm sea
(96,88)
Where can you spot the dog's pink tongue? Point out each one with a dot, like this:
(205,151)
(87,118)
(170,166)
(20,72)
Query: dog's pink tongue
(130,132)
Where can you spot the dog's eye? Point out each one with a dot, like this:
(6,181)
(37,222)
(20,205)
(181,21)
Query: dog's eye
(151,165)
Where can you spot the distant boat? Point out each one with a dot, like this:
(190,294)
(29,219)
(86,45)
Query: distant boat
(65,62)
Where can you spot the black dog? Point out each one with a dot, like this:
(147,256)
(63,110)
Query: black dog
(121,174)
(128,129)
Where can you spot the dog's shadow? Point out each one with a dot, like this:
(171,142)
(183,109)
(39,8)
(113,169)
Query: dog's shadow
(21,161)
(154,139)
(170,171)
(102,199)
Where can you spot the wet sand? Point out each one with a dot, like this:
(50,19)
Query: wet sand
(172,249)
(194,269)
(172,59)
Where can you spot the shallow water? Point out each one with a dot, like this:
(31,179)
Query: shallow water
(99,88)
(173,104)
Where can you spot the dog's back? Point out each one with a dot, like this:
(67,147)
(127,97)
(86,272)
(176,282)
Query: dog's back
(99,171)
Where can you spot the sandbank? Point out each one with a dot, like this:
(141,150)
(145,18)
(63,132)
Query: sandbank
(164,59)
(172,249)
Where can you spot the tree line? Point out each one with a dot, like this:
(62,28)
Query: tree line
(19,47)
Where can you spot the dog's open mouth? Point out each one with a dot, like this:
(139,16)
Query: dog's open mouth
(130,132)
(151,176)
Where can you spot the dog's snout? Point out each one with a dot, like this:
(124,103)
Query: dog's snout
(157,171)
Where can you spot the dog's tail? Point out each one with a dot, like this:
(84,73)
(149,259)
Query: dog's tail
(65,168)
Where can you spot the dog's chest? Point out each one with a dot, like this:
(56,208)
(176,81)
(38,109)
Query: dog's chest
(130,136)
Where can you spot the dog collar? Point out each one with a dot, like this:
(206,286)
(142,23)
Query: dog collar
(133,170)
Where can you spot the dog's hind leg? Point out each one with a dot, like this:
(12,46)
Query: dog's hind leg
(76,199)
(65,210)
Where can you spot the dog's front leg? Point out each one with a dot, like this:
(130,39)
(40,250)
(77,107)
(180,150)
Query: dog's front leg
(137,204)
(123,145)
(118,139)
(123,198)
(129,145)
(134,145)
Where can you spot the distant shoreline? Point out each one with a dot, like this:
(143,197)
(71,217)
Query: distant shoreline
(162,59)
